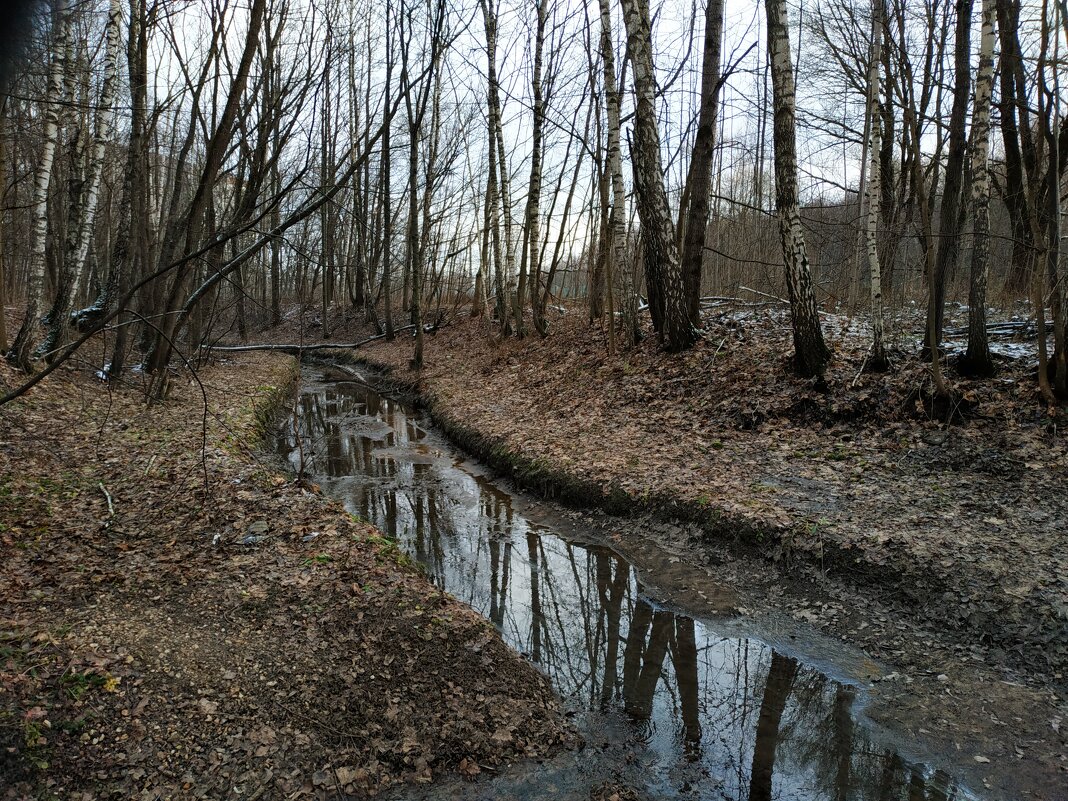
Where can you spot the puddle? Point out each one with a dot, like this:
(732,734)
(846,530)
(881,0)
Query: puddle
(670,706)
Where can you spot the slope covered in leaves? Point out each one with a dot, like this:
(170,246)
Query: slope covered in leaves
(179,619)
(963,521)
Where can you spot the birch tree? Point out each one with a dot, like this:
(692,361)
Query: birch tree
(811,352)
(532,215)
(663,272)
(493,188)
(104,133)
(976,360)
(617,246)
(874,189)
(22,348)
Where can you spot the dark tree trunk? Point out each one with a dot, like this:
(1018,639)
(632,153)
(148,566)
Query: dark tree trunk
(700,179)
(662,268)
(949,223)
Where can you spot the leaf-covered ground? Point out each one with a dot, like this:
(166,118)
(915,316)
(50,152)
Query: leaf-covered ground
(964,523)
(179,619)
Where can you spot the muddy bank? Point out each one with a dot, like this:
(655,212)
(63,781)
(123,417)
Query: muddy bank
(182,619)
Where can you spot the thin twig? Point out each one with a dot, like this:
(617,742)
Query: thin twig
(111,506)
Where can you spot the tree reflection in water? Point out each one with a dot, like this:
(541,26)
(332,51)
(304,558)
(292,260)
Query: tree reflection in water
(756,723)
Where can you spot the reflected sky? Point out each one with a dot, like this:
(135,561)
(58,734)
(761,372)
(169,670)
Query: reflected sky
(716,716)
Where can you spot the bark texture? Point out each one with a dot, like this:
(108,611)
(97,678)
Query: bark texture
(874,190)
(22,348)
(699,183)
(977,360)
(663,272)
(810,349)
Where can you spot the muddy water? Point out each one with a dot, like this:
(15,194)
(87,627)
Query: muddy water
(670,706)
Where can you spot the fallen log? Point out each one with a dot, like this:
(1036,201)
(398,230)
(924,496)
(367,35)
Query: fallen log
(1009,328)
(297,350)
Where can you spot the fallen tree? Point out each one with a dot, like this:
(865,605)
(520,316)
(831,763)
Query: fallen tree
(296,350)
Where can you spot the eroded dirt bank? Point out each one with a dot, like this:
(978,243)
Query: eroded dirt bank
(178,619)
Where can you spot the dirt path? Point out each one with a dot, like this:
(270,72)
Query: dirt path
(179,619)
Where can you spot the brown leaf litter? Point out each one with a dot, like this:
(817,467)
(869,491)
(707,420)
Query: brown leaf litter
(179,619)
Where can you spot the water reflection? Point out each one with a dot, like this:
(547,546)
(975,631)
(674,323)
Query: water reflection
(718,717)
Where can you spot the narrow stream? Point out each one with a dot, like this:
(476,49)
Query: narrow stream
(671,706)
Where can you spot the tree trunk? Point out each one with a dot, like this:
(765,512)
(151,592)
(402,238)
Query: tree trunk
(21,350)
(387,213)
(976,360)
(532,232)
(699,184)
(811,352)
(662,268)
(874,189)
(617,233)
(949,223)
(1015,195)
(326,177)
(3,224)
(83,234)
(493,192)
(215,153)
(130,245)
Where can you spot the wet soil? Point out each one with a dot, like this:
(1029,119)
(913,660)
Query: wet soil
(179,618)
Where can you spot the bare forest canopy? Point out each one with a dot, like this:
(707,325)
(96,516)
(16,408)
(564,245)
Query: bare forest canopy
(174,174)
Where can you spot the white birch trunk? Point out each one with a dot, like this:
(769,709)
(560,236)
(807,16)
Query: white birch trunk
(497,171)
(977,358)
(57,90)
(532,232)
(105,132)
(617,234)
(811,351)
(874,189)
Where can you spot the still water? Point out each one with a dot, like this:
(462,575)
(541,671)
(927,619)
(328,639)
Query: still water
(668,705)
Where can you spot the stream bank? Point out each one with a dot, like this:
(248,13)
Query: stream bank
(181,619)
(973,626)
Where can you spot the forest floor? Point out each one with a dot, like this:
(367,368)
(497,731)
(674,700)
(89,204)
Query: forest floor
(180,619)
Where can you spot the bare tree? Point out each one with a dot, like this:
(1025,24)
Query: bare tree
(695,208)
(21,349)
(953,186)
(976,360)
(810,350)
(874,187)
(663,273)
(617,246)
(532,215)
